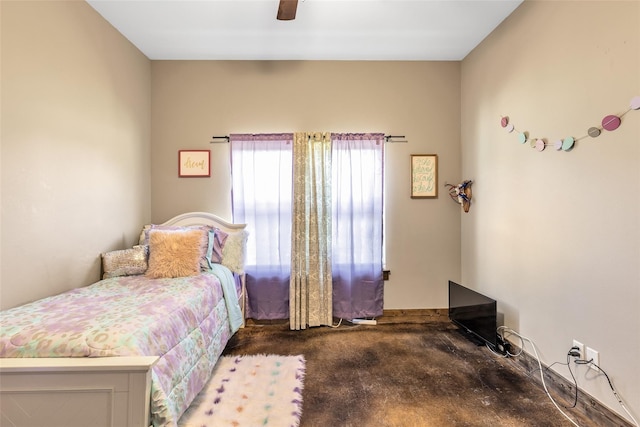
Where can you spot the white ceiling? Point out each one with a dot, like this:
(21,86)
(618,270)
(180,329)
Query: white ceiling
(323,29)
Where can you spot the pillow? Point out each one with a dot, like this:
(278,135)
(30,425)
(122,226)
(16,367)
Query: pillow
(205,260)
(144,235)
(219,239)
(175,253)
(234,251)
(125,262)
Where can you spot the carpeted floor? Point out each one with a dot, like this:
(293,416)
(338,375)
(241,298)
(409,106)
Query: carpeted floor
(404,375)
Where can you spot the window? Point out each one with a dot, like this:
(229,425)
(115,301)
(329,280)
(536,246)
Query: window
(262,170)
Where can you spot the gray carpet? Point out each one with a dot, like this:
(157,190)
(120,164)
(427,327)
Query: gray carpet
(405,375)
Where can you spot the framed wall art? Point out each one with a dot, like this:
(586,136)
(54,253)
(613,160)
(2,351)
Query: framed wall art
(424,176)
(194,163)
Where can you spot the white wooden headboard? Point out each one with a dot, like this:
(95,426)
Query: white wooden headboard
(204,218)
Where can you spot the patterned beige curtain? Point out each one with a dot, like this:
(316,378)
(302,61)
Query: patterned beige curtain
(310,291)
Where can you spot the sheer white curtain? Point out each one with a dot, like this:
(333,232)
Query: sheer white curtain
(337,245)
(357,192)
(261,197)
(310,286)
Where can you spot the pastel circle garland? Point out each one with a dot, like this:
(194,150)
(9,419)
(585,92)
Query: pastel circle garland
(609,123)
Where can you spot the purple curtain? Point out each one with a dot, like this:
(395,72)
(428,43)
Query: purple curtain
(357,192)
(261,197)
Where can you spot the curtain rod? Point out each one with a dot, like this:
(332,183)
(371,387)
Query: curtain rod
(220,139)
(387,138)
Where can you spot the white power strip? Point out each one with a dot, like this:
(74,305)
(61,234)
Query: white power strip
(364,322)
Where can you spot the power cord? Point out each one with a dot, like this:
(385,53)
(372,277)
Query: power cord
(338,325)
(575,383)
(578,361)
(573,352)
(502,330)
(535,351)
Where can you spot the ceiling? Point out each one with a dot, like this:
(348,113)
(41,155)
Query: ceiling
(395,30)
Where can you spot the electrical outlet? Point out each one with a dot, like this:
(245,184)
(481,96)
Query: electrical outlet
(580,348)
(594,357)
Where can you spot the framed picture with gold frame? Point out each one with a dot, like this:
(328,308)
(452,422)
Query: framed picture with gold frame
(194,163)
(424,176)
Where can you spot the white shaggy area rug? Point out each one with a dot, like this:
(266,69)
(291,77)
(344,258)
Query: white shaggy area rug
(250,391)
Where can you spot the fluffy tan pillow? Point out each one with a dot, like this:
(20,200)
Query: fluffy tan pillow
(174,253)
(205,261)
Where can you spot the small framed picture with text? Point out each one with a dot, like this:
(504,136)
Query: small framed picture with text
(424,176)
(194,163)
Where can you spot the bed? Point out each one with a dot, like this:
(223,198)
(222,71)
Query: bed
(136,347)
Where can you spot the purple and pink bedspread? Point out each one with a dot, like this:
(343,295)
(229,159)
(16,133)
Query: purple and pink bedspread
(182,320)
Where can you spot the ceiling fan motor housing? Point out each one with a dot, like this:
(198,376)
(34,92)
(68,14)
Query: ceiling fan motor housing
(287,10)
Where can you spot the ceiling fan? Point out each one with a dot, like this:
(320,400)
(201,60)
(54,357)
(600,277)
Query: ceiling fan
(287,10)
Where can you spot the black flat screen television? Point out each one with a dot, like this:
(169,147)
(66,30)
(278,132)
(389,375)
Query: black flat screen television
(474,313)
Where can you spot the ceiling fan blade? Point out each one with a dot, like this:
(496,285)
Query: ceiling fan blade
(287,10)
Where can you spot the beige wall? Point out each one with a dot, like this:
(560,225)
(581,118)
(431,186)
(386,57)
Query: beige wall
(555,236)
(75,146)
(194,100)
